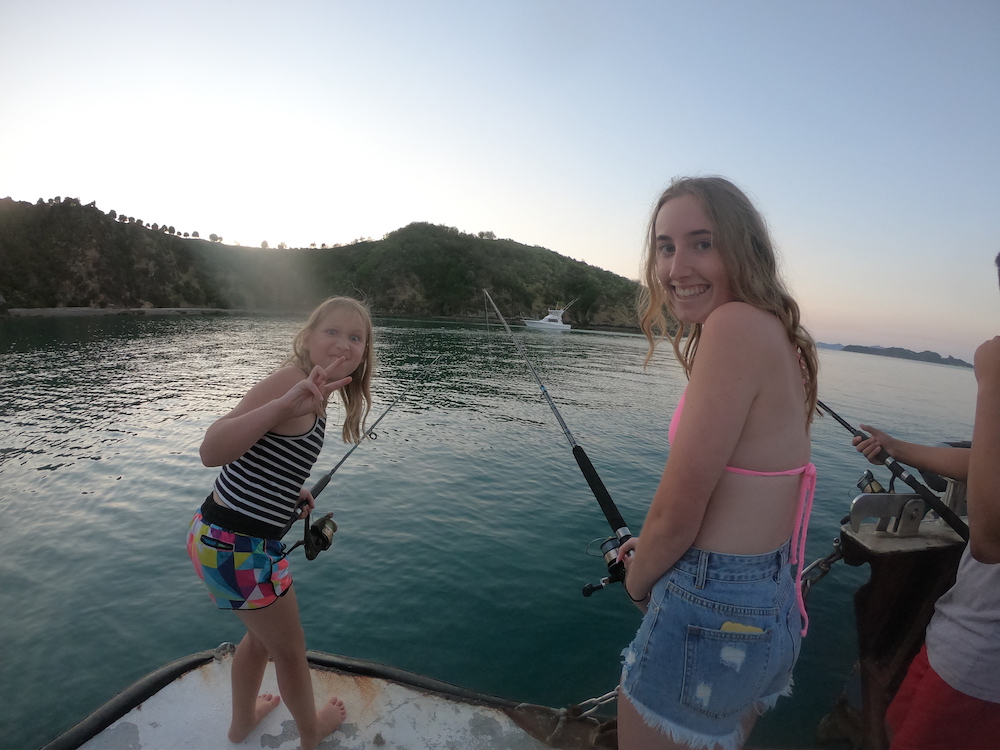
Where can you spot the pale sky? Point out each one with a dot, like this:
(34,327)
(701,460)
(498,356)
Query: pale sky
(867,132)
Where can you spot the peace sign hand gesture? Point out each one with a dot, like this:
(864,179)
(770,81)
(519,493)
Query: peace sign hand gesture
(308,396)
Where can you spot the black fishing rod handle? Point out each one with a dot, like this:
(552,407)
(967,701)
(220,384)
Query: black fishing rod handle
(320,485)
(882,457)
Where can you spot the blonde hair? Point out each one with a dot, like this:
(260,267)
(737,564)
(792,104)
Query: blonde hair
(740,233)
(356,395)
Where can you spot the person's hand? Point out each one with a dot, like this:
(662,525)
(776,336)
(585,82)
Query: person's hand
(306,504)
(987,362)
(307,396)
(875,444)
(625,555)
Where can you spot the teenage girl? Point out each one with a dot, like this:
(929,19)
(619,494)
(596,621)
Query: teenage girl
(266,447)
(723,619)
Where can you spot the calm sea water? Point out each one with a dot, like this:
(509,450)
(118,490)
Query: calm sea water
(463,532)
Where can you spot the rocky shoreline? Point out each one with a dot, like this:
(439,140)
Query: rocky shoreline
(65,312)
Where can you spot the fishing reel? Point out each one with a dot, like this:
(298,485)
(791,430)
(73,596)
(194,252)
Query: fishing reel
(616,570)
(317,536)
(868,483)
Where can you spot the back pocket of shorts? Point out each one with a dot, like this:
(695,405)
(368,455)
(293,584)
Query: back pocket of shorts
(216,543)
(724,671)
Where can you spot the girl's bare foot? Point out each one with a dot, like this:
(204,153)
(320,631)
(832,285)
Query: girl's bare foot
(329,716)
(265,704)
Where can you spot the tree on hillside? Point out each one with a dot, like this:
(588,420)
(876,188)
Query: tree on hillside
(282,246)
(64,256)
(195,234)
(264,244)
(213,237)
(112,214)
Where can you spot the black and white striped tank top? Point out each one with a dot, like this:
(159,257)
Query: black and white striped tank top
(264,482)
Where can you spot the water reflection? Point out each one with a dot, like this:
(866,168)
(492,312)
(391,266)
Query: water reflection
(463,526)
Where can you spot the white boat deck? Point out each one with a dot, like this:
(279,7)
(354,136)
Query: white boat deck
(192,711)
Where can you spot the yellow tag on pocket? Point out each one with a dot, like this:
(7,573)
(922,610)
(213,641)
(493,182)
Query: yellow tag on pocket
(739,627)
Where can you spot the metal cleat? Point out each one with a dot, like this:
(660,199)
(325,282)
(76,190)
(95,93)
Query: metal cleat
(898,514)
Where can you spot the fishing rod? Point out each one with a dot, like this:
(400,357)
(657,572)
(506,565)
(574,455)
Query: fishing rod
(319,536)
(616,570)
(949,516)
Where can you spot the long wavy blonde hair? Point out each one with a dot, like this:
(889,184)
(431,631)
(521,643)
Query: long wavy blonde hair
(740,233)
(356,395)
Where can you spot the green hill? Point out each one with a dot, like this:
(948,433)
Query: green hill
(63,254)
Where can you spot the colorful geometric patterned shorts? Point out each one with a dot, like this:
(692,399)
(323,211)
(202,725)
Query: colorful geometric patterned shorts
(241,572)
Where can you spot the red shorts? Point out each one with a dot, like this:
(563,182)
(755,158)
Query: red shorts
(929,714)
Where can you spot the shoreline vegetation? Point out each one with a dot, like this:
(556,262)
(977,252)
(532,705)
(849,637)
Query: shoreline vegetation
(62,254)
(68,312)
(62,258)
(62,312)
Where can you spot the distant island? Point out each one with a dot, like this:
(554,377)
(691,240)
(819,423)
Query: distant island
(895,351)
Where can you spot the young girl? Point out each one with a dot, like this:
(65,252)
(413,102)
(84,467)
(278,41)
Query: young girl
(266,447)
(723,617)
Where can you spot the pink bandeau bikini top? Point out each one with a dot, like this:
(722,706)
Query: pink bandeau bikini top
(807,491)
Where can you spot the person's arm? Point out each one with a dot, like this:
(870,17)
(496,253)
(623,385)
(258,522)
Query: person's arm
(983,495)
(281,396)
(948,462)
(724,382)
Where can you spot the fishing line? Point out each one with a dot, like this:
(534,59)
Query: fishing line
(949,516)
(616,570)
(319,536)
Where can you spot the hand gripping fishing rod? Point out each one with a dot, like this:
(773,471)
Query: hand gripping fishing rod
(616,570)
(319,536)
(949,516)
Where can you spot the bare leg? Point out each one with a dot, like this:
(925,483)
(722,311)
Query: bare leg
(249,708)
(635,734)
(278,629)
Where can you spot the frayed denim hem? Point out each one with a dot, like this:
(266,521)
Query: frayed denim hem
(677,733)
(699,740)
(768,701)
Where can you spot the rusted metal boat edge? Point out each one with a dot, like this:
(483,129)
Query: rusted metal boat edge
(132,696)
(564,728)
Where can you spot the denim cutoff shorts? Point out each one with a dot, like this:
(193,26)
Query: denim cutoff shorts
(720,638)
